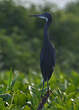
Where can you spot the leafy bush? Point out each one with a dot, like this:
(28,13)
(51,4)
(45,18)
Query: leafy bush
(21,36)
(25,92)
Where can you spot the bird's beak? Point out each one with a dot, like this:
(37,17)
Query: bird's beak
(39,16)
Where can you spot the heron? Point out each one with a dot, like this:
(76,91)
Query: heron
(48,51)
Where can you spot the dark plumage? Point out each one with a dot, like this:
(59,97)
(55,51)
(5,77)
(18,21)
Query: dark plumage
(48,54)
(47,60)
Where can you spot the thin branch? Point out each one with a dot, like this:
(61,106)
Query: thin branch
(44,100)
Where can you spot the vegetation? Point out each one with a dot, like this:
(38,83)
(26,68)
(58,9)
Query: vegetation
(21,37)
(20,43)
(21,92)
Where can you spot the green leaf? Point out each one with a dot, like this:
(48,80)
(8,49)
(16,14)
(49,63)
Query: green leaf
(2,107)
(26,108)
(20,98)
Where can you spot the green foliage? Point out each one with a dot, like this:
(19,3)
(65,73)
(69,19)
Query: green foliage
(25,93)
(21,36)
(20,43)
(19,98)
(2,107)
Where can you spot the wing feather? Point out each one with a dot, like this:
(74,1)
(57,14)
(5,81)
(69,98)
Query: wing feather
(47,61)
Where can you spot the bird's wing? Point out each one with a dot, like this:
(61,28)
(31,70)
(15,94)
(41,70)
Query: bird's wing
(47,60)
(52,53)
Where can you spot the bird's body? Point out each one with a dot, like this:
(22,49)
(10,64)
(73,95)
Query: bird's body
(48,54)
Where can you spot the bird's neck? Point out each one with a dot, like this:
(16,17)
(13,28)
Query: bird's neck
(46,33)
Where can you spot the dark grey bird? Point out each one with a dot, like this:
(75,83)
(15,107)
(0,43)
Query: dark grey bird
(48,52)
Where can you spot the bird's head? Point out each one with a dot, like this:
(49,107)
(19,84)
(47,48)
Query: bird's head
(46,16)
